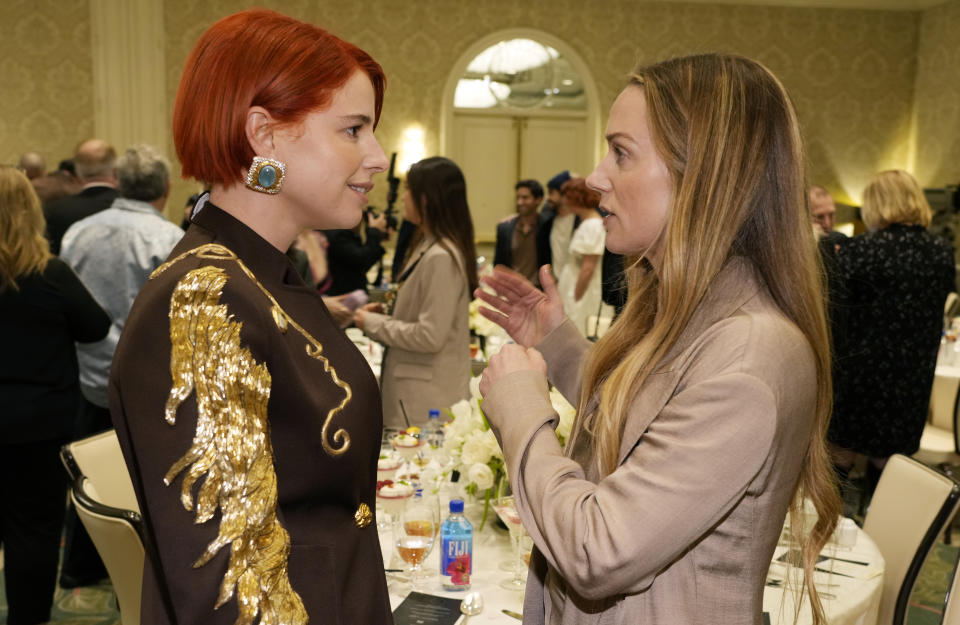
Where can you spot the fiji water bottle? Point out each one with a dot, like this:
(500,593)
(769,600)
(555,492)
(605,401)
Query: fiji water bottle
(434,429)
(456,542)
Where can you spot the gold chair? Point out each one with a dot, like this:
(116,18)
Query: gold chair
(911,506)
(105,501)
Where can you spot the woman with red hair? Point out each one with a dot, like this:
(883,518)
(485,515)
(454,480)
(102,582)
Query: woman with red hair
(249,423)
(579,279)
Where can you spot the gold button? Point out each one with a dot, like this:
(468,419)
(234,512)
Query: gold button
(363,516)
(280,319)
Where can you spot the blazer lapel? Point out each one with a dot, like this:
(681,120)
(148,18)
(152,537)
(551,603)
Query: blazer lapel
(736,283)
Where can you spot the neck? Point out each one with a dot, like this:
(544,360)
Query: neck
(260,212)
(527,219)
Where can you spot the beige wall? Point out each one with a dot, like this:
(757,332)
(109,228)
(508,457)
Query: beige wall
(938,97)
(46,68)
(851,73)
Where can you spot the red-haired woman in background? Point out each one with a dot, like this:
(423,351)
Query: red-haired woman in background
(579,279)
(250,424)
(44,310)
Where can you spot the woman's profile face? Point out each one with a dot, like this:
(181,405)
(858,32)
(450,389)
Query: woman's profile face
(331,158)
(633,181)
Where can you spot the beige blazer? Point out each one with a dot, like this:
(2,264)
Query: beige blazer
(427,364)
(682,532)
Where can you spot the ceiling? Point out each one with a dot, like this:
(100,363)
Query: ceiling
(894,5)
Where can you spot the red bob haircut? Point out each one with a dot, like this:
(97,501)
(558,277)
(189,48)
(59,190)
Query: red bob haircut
(576,191)
(257,58)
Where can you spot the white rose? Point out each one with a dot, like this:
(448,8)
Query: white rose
(481,475)
(462,411)
(475,449)
(475,388)
(491,445)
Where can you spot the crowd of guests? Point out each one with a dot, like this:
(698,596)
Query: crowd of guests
(218,353)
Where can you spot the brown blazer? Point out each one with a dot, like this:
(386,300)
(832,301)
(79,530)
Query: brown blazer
(682,532)
(427,363)
(248,372)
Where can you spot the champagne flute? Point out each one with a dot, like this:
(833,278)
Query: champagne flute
(507,511)
(414,534)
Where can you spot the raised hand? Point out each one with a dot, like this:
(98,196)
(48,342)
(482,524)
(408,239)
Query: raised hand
(525,312)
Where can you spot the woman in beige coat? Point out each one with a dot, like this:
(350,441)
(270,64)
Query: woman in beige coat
(702,411)
(427,361)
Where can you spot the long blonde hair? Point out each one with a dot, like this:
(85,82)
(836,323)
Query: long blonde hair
(23,247)
(895,197)
(729,136)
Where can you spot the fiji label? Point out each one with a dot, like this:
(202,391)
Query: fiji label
(455,562)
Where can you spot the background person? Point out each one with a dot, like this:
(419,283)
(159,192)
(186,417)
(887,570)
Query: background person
(250,388)
(702,411)
(44,309)
(894,282)
(579,282)
(427,364)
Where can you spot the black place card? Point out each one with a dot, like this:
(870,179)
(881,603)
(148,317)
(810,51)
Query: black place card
(766,618)
(423,609)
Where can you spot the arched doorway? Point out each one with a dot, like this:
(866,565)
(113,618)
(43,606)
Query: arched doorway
(519,103)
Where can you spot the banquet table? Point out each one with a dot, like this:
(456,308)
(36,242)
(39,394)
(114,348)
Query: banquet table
(852,591)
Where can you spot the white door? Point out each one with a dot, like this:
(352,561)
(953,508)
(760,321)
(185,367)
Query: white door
(495,151)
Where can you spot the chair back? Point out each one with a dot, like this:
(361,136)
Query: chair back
(115,534)
(911,506)
(103,495)
(100,460)
(951,604)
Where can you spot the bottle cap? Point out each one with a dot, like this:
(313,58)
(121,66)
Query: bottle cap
(456,506)
(434,413)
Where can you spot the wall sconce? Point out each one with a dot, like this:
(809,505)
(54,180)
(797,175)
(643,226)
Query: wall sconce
(412,148)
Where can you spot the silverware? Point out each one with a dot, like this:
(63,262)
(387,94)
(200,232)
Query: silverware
(515,615)
(471,605)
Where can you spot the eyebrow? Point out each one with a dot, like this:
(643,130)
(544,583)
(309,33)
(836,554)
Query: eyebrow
(363,120)
(617,135)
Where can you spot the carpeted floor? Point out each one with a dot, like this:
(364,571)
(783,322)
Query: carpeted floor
(96,605)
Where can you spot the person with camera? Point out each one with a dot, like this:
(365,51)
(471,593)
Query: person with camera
(350,257)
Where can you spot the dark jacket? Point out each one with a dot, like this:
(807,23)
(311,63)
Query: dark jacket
(64,212)
(39,324)
(503,252)
(257,352)
(350,257)
(892,287)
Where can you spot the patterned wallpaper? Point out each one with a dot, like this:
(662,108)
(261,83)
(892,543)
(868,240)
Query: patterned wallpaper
(851,72)
(45,69)
(938,97)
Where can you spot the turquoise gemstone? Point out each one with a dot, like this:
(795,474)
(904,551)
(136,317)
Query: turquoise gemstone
(267,177)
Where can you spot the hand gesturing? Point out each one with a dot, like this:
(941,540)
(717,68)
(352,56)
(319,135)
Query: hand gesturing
(525,312)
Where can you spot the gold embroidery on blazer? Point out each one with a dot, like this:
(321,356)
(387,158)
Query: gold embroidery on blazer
(313,347)
(232,447)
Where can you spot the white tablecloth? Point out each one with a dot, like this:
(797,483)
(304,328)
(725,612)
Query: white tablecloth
(856,598)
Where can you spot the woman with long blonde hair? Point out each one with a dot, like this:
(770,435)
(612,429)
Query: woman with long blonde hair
(44,310)
(702,411)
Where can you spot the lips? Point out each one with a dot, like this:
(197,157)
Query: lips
(362,188)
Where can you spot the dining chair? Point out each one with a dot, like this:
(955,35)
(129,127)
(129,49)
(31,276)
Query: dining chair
(951,603)
(939,446)
(911,506)
(106,504)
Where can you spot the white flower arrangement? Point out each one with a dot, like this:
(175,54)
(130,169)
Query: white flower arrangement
(474,451)
(480,325)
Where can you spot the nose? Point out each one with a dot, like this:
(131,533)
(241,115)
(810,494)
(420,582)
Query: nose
(597,181)
(377,159)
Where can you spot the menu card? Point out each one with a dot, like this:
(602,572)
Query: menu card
(422,609)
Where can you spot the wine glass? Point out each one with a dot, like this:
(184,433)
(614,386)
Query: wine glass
(507,511)
(414,534)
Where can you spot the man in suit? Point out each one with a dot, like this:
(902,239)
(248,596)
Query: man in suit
(517,237)
(96,165)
